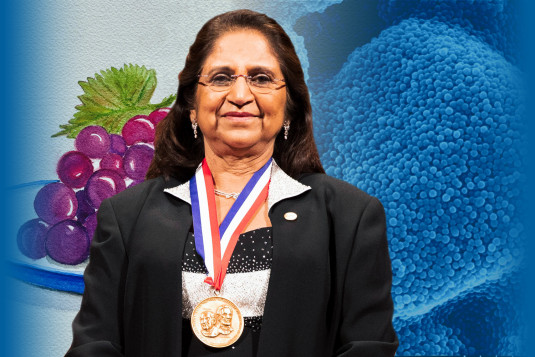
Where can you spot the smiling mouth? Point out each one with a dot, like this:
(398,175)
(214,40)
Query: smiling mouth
(239,115)
(241,118)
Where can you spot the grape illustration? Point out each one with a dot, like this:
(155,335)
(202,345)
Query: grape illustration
(103,184)
(93,141)
(67,242)
(74,169)
(156,116)
(113,134)
(84,208)
(139,129)
(113,162)
(117,144)
(31,239)
(137,160)
(55,202)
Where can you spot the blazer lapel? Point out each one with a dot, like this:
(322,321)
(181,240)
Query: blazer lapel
(284,209)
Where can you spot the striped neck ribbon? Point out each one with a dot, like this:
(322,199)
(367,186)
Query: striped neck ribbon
(214,243)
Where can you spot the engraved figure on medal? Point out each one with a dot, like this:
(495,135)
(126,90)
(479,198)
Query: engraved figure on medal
(224,317)
(207,320)
(217,322)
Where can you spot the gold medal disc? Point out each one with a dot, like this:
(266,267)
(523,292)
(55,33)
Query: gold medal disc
(217,322)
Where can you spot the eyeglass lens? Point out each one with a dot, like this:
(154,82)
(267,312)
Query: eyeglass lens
(260,84)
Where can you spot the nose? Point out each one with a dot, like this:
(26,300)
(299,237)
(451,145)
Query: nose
(240,94)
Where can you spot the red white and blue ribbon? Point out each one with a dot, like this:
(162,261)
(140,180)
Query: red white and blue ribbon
(214,243)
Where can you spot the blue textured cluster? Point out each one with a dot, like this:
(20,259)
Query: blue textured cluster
(492,21)
(428,118)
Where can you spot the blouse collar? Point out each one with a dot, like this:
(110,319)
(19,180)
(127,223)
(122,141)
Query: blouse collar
(281,187)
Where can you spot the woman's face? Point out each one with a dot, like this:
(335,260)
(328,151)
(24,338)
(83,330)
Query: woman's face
(239,121)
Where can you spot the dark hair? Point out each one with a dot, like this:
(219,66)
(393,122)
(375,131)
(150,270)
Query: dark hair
(178,154)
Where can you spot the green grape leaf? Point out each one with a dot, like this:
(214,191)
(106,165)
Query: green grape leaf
(112,97)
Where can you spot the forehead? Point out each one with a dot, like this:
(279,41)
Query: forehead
(241,50)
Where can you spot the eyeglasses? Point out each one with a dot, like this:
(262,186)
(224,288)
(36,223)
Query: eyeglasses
(259,83)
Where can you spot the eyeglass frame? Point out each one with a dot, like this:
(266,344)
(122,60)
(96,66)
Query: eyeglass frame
(247,78)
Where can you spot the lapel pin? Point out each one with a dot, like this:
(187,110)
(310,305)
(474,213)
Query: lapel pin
(290,216)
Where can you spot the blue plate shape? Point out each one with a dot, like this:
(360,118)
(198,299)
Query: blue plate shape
(40,272)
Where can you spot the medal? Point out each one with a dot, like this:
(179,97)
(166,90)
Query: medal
(217,321)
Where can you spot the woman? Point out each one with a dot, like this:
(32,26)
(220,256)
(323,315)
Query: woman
(172,272)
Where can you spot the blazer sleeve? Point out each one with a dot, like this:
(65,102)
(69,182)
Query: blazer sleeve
(97,328)
(367,308)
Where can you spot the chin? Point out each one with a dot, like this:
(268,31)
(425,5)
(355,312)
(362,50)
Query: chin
(241,145)
(241,140)
(246,145)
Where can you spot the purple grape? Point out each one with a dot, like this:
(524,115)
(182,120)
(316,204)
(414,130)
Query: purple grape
(117,144)
(84,208)
(113,162)
(138,129)
(93,141)
(103,184)
(156,116)
(136,161)
(90,225)
(67,242)
(55,202)
(74,168)
(31,239)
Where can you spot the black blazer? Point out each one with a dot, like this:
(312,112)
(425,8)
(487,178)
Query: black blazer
(328,294)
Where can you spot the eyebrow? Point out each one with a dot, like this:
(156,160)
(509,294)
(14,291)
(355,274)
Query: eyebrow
(262,69)
(255,69)
(220,69)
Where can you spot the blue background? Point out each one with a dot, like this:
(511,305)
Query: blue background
(427,114)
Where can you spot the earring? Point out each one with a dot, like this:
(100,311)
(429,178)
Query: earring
(286,127)
(194,127)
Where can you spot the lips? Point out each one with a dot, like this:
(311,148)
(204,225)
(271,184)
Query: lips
(239,114)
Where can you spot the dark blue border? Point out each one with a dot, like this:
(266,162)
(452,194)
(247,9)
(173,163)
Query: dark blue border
(528,58)
(14,97)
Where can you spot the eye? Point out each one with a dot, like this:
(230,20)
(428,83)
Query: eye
(221,79)
(261,80)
